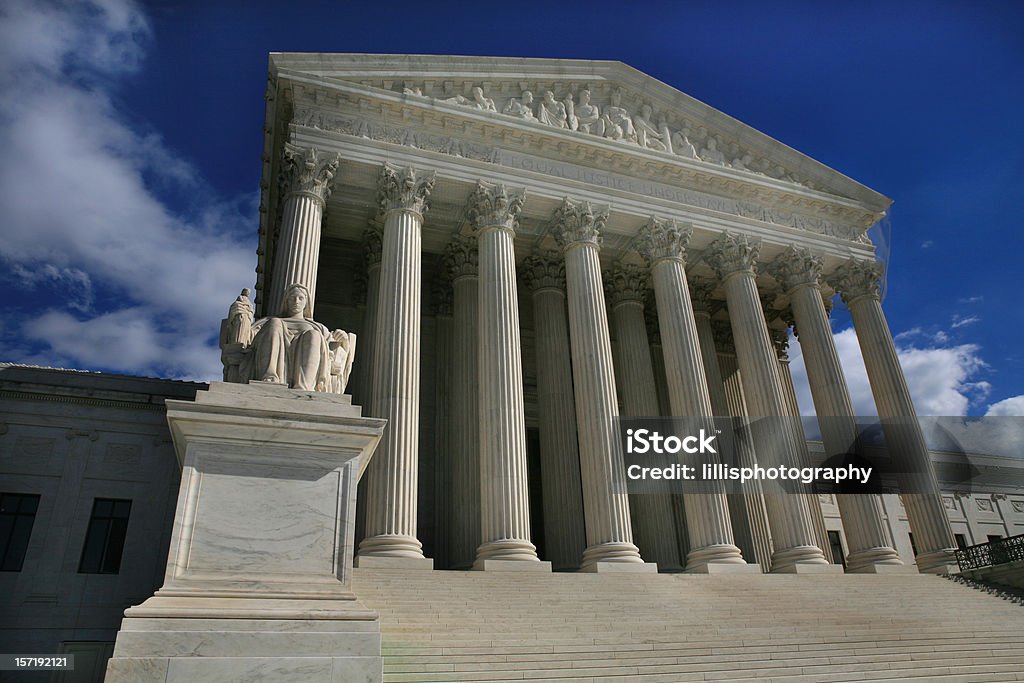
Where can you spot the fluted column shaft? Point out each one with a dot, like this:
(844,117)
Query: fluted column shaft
(393,475)
(867,535)
(306,178)
(609,536)
(444,499)
(753,494)
(738,515)
(504,486)
(789,515)
(804,454)
(364,365)
(707,514)
(461,262)
(652,515)
(857,283)
(561,489)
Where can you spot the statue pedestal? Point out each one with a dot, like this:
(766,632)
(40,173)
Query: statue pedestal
(258,574)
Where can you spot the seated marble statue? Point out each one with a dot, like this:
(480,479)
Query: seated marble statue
(290,348)
(522,108)
(551,112)
(588,116)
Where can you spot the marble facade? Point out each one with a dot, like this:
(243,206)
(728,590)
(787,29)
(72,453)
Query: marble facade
(514,212)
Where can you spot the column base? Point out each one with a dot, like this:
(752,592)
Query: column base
(938,562)
(391,545)
(381,562)
(799,555)
(724,568)
(721,553)
(512,566)
(619,568)
(882,569)
(808,568)
(513,550)
(856,562)
(614,552)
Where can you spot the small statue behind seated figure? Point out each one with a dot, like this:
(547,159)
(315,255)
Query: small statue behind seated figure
(290,348)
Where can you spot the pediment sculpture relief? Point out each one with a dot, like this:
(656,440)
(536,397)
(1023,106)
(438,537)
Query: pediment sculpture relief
(641,126)
(290,348)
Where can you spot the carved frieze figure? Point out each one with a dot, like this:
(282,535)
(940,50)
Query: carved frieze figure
(408,88)
(522,108)
(711,153)
(681,144)
(290,348)
(588,116)
(551,112)
(478,100)
(646,134)
(618,123)
(743,163)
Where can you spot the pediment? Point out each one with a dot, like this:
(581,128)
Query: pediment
(597,104)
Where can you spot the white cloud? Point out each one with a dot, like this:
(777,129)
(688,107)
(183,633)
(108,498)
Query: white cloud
(927,244)
(942,379)
(971,299)
(1008,407)
(79,189)
(963,322)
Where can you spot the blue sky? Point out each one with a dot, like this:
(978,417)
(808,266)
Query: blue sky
(132,136)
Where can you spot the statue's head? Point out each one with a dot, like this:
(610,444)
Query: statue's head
(296,300)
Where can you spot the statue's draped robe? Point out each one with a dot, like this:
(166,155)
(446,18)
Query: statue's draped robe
(293,351)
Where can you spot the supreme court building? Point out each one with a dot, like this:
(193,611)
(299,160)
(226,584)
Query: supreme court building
(527,248)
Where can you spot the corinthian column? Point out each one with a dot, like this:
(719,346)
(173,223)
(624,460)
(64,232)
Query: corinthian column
(605,502)
(857,282)
(461,262)
(734,257)
(305,185)
(504,487)
(364,368)
(663,244)
(392,477)
(652,515)
(564,535)
(799,273)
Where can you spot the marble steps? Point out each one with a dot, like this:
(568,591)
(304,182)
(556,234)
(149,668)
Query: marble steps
(476,626)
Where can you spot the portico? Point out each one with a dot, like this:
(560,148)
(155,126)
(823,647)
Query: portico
(510,259)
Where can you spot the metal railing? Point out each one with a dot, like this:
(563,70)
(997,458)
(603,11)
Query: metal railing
(994,552)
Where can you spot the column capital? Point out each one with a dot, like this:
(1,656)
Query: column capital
(441,297)
(403,188)
(492,206)
(700,295)
(731,253)
(461,258)
(855,279)
(576,224)
(304,171)
(373,246)
(795,267)
(661,239)
(626,283)
(543,270)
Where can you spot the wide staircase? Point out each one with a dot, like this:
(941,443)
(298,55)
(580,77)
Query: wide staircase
(626,628)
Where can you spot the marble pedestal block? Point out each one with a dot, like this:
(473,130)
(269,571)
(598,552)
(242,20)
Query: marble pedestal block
(258,575)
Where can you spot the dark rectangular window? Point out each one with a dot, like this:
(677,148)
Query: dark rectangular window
(104,541)
(836,541)
(17,515)
(994,537)
(961,541)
